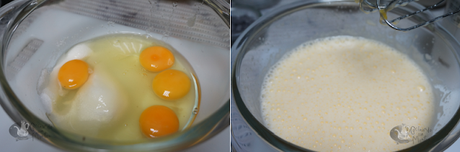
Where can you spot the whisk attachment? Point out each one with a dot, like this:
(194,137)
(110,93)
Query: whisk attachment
(367,6)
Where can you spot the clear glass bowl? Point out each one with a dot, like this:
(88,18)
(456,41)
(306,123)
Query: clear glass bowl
(35,33)
(271,36)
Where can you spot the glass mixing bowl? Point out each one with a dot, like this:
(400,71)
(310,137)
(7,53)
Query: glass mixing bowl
(271,36)
(36,33)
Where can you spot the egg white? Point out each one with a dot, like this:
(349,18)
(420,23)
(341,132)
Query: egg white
(96,104)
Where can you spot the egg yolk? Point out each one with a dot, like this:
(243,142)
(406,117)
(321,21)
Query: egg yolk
(156,58)
(73,74)
(158,121)
(171,84)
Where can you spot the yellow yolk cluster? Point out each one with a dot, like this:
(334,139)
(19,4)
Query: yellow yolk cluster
(157,120)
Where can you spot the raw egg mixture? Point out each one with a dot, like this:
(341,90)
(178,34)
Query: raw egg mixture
(345,93)
(121,87)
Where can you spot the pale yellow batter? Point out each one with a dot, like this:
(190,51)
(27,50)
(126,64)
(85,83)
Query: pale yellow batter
(345,94)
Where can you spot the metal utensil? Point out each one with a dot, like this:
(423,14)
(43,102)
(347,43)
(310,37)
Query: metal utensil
(384,6)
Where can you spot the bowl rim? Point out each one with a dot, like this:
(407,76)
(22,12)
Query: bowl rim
(268,136)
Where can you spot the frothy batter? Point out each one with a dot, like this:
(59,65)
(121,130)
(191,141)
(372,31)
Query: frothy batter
(345,93)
